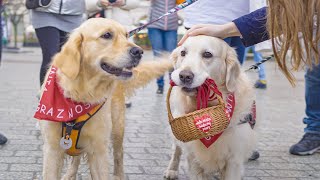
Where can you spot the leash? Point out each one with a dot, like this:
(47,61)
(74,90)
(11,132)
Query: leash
(256,66)
(171,11)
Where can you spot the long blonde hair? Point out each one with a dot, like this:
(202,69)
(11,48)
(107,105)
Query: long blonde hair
(294,24)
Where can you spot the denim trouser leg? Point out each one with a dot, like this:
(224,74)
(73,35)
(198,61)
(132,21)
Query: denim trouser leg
(156,39)
(170,43)
(236,43)
(257,57)
(312,98)
(162,40)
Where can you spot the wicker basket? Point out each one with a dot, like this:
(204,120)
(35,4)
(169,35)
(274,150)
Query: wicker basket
(198,124)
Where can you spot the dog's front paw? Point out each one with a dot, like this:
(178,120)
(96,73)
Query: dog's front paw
(69,177)
(171,174)
(118,178)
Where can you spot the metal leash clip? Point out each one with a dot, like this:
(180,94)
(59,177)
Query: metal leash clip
(66,141)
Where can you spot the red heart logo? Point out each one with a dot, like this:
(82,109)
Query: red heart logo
(203,123)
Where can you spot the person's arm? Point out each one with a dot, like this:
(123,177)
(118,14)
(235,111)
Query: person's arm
(220,31)
(251,28)
(131,4)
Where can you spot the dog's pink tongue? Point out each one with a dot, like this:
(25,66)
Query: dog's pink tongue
(206,92)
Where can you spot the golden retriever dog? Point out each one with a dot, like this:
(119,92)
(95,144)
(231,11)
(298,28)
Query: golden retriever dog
(97,64)
(199,58)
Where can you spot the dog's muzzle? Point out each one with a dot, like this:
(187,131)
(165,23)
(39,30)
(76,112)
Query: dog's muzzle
(186,77)
(136,55)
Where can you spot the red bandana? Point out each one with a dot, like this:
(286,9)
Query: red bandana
(53,106)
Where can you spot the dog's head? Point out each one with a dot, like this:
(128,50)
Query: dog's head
(203,57)
(102,47)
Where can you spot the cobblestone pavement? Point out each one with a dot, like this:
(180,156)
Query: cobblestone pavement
(147,138)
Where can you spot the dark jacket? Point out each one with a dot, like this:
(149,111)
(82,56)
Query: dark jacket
(253,27)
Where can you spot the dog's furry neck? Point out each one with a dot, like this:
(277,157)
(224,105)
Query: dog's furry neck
(87,89)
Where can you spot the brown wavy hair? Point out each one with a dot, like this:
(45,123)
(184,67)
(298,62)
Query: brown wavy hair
(294,24)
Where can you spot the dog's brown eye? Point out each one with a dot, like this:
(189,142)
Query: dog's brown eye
(183,53)
(207,55)
(107,35)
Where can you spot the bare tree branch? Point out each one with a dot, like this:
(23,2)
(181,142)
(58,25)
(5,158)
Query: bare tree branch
(15,10)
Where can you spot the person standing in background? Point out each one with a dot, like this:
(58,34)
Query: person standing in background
(52,25)
(163,34)
(218,12)
(118,10)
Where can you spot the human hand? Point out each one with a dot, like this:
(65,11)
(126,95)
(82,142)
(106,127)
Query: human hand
(118,3)
(220,31)
(106,3)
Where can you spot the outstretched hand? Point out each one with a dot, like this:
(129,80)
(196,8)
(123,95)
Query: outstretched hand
(220,31)
(106,3)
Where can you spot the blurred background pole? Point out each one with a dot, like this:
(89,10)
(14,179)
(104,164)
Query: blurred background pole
(1,33)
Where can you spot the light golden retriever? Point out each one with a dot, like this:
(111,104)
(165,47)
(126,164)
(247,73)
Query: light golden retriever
(196,60)
(97,64)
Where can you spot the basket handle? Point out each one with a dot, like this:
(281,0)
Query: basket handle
(168,105)
(221,102)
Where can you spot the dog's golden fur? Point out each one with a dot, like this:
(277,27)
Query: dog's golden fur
(228,154)
(83,80)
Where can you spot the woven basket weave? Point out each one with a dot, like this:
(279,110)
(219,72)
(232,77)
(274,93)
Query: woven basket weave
(184,128)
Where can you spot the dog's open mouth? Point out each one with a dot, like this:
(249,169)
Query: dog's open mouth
(123,72)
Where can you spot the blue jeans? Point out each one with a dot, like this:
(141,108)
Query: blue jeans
(257,57)
(236,42)
(162,41)
(312,98)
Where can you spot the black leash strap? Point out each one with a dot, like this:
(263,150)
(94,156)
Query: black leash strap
(256,66)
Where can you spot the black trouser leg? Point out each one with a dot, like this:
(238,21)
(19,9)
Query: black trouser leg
(51,39)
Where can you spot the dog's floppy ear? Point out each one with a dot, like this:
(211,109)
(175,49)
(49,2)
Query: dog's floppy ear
(232,70)
(174,55)
(68,60)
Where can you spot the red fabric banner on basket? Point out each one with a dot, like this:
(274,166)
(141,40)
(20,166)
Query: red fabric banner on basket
(206,93)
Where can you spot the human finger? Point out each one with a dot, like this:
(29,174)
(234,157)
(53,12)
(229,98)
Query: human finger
(187,34)
(183,39)
(199,31)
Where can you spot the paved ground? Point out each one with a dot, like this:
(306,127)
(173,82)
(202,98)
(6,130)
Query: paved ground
(147,139)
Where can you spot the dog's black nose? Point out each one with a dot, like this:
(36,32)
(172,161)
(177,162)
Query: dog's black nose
(136,52)
(186,77)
